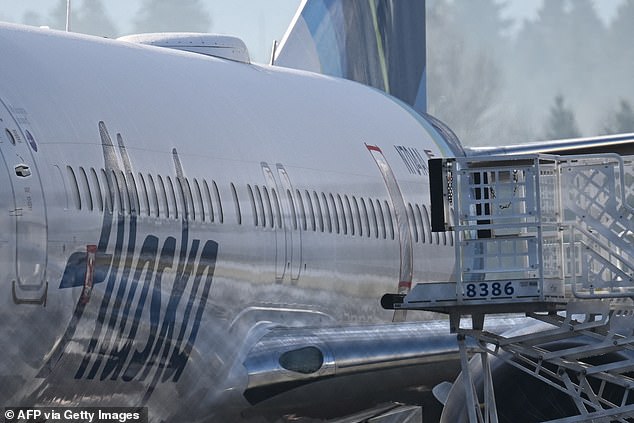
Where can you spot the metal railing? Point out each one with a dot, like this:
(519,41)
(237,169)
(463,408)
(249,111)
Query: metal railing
(536,228)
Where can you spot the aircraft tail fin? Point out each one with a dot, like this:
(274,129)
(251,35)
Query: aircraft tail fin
(380,43)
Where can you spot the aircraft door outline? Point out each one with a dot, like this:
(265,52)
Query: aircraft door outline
(294,229)
(7,220)
(406,268)
(29,211)
(280,232)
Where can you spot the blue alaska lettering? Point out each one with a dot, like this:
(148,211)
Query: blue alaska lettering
(146,322)
(173,281)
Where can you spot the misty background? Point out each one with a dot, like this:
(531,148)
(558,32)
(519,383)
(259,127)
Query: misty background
(499,71)
(566,72)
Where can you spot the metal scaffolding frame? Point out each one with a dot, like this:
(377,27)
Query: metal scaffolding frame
(551,237)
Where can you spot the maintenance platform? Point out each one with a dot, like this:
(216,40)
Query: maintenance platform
(551,237)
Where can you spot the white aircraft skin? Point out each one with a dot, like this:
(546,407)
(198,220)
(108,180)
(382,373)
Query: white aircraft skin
(133,307)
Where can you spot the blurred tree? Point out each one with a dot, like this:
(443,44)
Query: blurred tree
(622,121)
(463,77)
(169,15)
(481,22)
(621,29)
(540,38)
(92,19)
(562,51)
(619,45)
(584,61)
(561,122)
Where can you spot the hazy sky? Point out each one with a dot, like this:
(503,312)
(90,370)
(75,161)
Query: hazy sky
(527,9)
(257,22)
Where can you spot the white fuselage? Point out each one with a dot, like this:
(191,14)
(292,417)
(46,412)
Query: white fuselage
(175,202)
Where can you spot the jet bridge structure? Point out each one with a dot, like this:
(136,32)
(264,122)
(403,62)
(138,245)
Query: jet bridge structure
(551,237)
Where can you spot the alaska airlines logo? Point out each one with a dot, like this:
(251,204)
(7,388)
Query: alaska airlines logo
(135,285)
(155,295)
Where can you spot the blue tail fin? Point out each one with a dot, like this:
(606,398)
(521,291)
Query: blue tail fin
(380,43)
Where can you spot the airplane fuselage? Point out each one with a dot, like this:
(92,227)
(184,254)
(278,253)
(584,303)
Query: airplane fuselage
(162,210)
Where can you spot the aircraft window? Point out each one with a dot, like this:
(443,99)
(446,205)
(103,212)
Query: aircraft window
(260,204)
(144,207)
(427,225)
(177,197)
(418,219)
(254,212)
(309,206)
(114,191)
(10,136)
(199,200)
(269,209)
(118,197)
(162,192)
(194,198)
(188,197)
(342,215)
(74,187)
(373,219)
(276,204)
(357,215)
(236,203)
(134,196)
(302,210)
(412,222)
(221,215)
(154,201)
(291,203)
(349,214)
(109,197)
(207,195)
(180,198)
(388,219)
(98,193)
(381,219)
(326,211)
(133,191)
(320,218)
(186,211)
(86,188)
(366,218)
(123,191)
(128,194)
(171,197)
(334,215)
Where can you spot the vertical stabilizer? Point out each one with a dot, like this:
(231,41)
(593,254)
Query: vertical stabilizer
(380,43)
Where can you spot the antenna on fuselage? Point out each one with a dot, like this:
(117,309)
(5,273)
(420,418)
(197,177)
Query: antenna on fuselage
(67,15)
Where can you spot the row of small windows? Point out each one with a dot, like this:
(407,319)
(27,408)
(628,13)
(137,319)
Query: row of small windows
(145,195)
(173,198)
(334,213)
